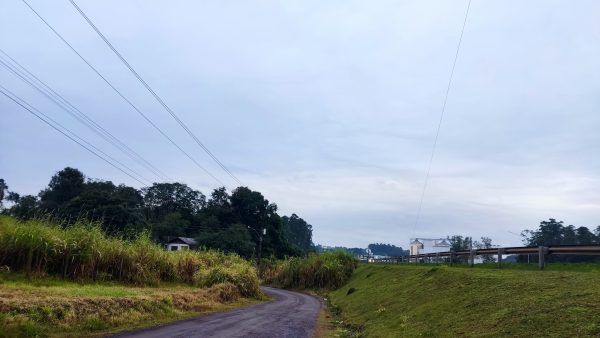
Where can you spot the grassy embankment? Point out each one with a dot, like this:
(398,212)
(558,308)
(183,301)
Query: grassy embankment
(409,301)
(79,282)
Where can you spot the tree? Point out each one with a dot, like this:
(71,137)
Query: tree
(64,186)
(163,198)
(298,232)
(3,191)
(117,207)
(486,243)
(252,209)
(24,207)
(228,222)
(386,250)
(460,243)
(235,238)
(553,232)
(173,224)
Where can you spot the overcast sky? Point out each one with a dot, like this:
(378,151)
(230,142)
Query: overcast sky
(329,108)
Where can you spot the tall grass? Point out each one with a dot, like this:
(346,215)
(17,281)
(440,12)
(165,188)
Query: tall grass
(84,252)
(328,270)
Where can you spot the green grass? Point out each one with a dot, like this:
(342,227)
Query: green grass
(84,253)
(581,267)
(441,301)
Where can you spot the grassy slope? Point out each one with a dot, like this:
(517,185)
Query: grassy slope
(400,301)
(53,307)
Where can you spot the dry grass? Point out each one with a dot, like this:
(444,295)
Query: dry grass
(52,307)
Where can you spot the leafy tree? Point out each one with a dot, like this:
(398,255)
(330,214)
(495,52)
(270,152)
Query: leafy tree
(252,209)
(353,251)
(3,191)
(24,207)
(486,243)
(117,207)
(553,232)
(235,238)
(298,232)
(163,198)
(460,243)
(173,224)
(64,186)
(386,250)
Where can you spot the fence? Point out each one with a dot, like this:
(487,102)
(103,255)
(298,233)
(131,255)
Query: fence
(542,252)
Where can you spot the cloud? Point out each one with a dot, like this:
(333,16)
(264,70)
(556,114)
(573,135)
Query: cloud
(330,108)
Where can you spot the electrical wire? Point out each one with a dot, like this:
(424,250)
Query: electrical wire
(154,94)
(439,126)
(122,95)
(32,80)
(71,135)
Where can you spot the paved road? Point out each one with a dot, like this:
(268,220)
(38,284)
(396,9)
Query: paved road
(288,314)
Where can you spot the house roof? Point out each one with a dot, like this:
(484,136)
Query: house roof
(186,240)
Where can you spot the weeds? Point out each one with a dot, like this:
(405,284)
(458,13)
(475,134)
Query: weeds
(328,270)
(83,252)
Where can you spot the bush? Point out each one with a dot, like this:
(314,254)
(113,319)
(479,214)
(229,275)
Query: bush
(328,270)
(237,274)
(84,252)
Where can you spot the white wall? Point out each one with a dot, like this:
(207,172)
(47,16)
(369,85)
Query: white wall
(177,247)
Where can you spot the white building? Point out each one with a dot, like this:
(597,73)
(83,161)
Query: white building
(181,243)
(428,245)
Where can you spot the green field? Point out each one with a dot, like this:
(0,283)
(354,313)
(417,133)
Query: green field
(440,301)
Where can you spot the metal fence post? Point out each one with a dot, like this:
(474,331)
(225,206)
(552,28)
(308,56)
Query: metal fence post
(451,258)
(542,256)
(472,258)
(500,253)
(437,258)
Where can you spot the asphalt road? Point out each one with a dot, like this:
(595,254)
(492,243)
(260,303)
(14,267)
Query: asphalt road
(288,314)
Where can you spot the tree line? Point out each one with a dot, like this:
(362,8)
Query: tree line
(228,221)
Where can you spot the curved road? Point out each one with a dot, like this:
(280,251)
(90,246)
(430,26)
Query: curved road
(288,314)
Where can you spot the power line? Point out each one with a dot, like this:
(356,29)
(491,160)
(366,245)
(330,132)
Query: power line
(439,126)
(71,135)
(26,76)
(156,96)
(122,96)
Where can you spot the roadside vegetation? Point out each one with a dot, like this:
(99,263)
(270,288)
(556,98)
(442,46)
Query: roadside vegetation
(49,306)
(328,270)
(78,280)
(441,301)
(230,221)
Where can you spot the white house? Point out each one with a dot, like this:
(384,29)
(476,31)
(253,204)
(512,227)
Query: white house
(428,245)
(181,243)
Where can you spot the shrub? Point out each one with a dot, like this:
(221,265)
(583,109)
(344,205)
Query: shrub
(237,274)
(84,252)
(328,270)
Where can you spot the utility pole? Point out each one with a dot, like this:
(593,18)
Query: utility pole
(261,233)
(260,240)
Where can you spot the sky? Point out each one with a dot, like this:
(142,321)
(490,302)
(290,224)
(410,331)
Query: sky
(329,108)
